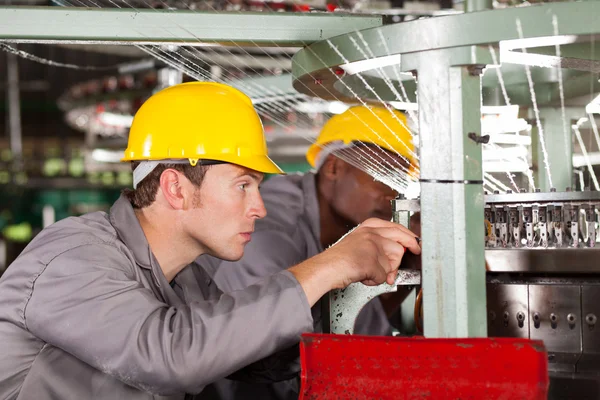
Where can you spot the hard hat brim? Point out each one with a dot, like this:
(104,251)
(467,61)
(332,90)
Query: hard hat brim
(258,163)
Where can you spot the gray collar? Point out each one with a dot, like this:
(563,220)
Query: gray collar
(123,219)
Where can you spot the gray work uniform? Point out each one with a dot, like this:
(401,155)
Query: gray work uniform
(86,313)
(288,235)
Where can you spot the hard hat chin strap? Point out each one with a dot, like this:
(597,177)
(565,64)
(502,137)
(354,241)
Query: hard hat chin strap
(145,167)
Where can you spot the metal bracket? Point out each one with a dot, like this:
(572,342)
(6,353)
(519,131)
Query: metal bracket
(345,304)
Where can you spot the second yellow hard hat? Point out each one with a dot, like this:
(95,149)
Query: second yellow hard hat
(367,124)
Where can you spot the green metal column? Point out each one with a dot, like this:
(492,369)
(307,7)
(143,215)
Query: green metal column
(451,195)
(558,139)
(478,5)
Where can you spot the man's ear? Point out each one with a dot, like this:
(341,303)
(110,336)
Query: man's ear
(171,188)
(333,167)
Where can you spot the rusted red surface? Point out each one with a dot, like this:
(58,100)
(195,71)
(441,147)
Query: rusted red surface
(363,367)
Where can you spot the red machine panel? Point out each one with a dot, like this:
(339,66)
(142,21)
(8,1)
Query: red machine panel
(362,367)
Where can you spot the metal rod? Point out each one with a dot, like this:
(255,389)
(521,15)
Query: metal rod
(14,106)
(478,5)
(120,26)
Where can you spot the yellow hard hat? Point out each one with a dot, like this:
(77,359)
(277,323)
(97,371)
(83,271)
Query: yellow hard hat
(200,120)
(367,124)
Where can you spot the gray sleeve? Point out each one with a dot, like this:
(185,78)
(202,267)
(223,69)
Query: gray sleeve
(269,252)
(85,303)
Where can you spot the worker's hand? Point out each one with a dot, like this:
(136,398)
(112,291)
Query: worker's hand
(370,254)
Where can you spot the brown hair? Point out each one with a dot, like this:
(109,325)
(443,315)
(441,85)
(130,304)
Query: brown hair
(145,193)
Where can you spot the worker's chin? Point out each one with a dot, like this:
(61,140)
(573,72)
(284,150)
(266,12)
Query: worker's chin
(231,254)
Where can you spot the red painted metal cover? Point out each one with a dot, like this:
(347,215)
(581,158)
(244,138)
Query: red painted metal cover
(367,367)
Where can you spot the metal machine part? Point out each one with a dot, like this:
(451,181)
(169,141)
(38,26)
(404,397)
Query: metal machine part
(538,287)
(343,314)
(402,209)
(346,304)
(555,219)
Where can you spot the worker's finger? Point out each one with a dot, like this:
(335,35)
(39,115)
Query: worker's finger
(379,270)
(389,256)
(380,223)
(391,277)
(404,238)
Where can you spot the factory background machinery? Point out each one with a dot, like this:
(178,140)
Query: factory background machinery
(541,281)
(533,62)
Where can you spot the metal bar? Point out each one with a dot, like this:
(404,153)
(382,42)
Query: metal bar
(126,26)
(345,304)
(452,200)
(550,197)
(442,32)
(14,106)
(478,5)
(559,146)
(565,261)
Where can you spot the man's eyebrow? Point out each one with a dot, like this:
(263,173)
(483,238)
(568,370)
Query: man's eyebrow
(257,176)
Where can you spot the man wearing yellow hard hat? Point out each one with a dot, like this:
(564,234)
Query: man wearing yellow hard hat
(309,212)
(106,306)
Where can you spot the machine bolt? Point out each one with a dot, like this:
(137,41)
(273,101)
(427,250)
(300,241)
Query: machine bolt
(496,192)
(590,319)
(475,70)
(571,318)
(509,191)
(478,139)
(568,189)
(538,190)
(553,320)
(553,189)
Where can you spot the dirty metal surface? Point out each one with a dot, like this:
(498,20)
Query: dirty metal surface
(555,318)
(345,304)
(362,367)
(508,310)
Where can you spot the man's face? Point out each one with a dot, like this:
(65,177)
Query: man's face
(226,207)
(358,196)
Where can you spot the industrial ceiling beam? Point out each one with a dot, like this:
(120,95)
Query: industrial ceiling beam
(133,26)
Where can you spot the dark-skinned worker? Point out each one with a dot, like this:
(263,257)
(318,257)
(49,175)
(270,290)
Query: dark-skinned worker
(307,213)
(107,306)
